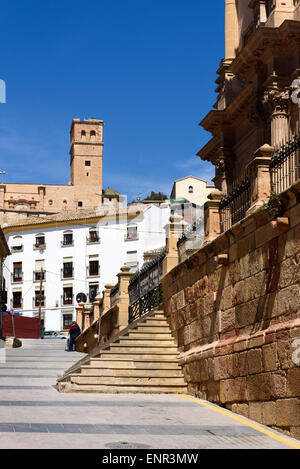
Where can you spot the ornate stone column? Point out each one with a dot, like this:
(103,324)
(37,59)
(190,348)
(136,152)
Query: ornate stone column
(278,102)
(223,165)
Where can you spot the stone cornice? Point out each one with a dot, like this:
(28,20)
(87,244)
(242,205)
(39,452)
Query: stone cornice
(213,121)
(263,39)
(74,222)
(209,151)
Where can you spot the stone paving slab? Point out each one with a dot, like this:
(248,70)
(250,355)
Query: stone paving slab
(39,417)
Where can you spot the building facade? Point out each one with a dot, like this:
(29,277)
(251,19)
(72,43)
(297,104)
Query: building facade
(255,81)
(53,260)
(191,189)
(84,190)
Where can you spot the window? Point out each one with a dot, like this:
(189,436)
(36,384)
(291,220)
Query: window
(39,298)
(132,260)
(132,232)
(93,291)
(68,295)
(40,241)
(67,321)
(93,236)
(17,272)
(67,271)
(39,270)
(17,244)
(83,135)
(93,135)
(191,189)
(67,238)
(17,299)
(94,268)
(80,204)
(87,163)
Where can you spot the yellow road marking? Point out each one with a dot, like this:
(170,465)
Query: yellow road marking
(282,439)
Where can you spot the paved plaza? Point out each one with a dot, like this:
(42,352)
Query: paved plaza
(33,415)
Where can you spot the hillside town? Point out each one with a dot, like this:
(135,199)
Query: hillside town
(189,297)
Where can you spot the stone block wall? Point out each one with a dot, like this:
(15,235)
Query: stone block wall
(236,320)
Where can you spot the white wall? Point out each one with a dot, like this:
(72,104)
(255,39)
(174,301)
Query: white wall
(112,252)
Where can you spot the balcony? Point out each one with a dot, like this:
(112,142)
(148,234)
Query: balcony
(65,243)
(131,237)
(93,240)
(39,246)
(37,275)
(17,248)
(36,301)
(67,300)
(16,303)
(67,273)
(93,272)
(17,277)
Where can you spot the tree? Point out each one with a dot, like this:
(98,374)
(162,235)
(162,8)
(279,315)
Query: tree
(156,196)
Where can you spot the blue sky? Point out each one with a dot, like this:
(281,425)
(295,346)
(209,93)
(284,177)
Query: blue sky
(147,69)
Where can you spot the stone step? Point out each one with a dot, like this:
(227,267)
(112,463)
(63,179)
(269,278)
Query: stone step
(125,381)
(149,328)
(116,348)
(155,322)
(132,365)
(148,335)
(122,389)
(125,372)
(134,358)
(141,341)
(137,355)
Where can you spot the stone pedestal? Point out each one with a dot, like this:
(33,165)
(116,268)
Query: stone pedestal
(123,301)
(260,178)
(106,297)
(212,226)
(174,231)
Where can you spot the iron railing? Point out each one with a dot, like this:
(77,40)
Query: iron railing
(233,207)
(145,292)
(192,238)
(285,165)
(114,295)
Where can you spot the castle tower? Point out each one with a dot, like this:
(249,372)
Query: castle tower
(86,153)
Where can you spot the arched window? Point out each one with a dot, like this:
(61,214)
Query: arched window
(67,238)
(93,135)
(191,189)
(40,241)
(83,135)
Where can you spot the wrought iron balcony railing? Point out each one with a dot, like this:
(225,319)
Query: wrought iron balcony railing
(233,207)
(285,165)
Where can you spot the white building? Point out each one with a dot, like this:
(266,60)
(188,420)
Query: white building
(78,253)
(191,189)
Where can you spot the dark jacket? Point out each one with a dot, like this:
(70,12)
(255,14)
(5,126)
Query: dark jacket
(74,330)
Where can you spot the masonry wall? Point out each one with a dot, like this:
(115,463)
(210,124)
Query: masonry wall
(235,324)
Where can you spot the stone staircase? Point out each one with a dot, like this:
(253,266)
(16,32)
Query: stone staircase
(141,359)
